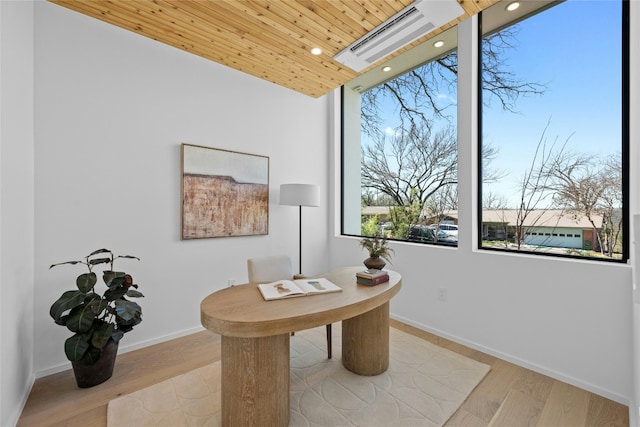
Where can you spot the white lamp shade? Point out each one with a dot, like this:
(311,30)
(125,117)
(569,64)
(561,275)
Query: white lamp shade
(300,194)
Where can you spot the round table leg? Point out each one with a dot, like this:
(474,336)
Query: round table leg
(255,381)
(365,342)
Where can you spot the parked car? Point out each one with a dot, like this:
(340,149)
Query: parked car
(426,234)
(421,233)
(450,229)
(444,237)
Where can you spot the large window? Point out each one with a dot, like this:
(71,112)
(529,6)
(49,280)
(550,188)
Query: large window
(553,181)
(400,147)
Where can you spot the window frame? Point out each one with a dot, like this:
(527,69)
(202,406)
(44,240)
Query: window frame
(624,140)
(343,155)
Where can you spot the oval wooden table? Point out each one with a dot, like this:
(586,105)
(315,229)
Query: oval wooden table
(255,340)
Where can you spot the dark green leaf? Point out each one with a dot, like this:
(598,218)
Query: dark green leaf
(62,321)
(128,310)
(116,293)
(98,305)
(109,276)
(116,281)
(125,327)
(101,335)
(66,262)
(128,256)
(99,261)
(99,251)
(81,319)
(85,282)
(67,301)
(134,294)
(76,346)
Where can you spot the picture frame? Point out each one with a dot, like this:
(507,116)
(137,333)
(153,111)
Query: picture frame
(223,193)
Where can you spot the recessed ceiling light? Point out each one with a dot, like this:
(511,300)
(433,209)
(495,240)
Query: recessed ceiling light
(513,6)
(439,43)
(316,51)
(386,68)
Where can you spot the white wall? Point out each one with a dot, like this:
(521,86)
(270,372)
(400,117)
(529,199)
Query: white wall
(112,108)
(569,319)
(16,207)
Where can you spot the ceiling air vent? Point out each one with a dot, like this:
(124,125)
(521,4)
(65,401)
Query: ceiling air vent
(410,23)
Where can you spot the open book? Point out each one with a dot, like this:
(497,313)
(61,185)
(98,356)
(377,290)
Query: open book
(296,288)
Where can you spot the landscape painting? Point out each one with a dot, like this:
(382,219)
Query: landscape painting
(224,193)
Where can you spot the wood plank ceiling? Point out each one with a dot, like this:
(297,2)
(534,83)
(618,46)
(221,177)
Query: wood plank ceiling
(268,39)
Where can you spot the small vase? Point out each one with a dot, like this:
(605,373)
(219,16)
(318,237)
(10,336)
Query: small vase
(99,372)
(374,263)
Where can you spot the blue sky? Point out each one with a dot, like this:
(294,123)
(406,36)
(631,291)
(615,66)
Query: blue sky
(574,49)
(571,49)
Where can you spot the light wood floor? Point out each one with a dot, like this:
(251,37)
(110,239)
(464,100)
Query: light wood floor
(508,396)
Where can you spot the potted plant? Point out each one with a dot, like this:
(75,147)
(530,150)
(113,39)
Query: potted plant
(98,322)
(378,250)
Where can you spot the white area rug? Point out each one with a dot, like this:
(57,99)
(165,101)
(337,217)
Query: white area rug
(424,385)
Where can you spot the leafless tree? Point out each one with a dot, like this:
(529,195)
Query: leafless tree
(410,167)
(612,204)
(418,93)
(421,160)
(585,185)
(417,168)
(535,184)
(490,174)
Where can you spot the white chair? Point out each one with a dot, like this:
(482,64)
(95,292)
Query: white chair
(271,268)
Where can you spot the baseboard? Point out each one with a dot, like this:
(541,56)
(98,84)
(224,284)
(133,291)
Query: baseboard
(125,349)
(624,400)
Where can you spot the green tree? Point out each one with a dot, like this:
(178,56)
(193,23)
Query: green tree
(369,226)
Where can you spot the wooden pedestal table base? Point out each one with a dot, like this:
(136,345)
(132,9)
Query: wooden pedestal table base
(365,342)
(255,370)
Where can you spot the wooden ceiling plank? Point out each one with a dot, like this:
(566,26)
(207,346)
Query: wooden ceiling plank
(329,11)
(337,28)
(391,8)
(303,63)
(289,22)
(360,15)
(378,12)
(226,33)
(326,61)
(296,56)
(317,29)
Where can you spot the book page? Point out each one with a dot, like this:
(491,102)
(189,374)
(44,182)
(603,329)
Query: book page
(317,286)
(280,289)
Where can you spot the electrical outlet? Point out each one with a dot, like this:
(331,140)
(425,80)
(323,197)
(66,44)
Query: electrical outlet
(442,294)
(231,282)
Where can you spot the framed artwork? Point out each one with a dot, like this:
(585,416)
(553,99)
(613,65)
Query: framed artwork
(224,193)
